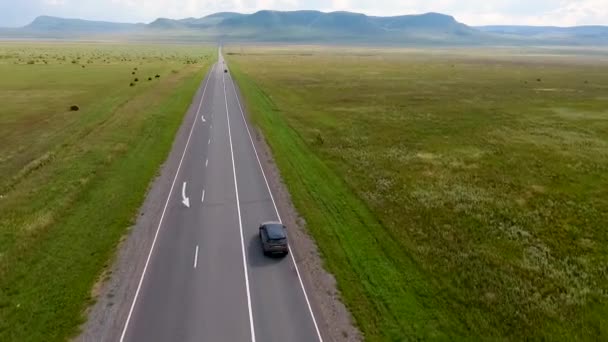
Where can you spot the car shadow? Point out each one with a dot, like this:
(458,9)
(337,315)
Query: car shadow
(256,257)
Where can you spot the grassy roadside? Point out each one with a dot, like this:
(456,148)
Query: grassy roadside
(454,194)
(69,195)
(355,247)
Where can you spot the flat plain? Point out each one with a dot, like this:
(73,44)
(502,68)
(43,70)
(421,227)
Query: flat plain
(72,179)
(454,194)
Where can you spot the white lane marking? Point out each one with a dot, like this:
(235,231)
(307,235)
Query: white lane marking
(203,118)
(278,216)
(196,256)
(162,216)
(206,162)
(185,200)
(203,197)
(209,142)
(238,208)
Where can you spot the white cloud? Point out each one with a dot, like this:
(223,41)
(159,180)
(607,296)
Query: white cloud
(340,5)
(565,13)
(55,2)
(580,12)
(151,9)
(485,12)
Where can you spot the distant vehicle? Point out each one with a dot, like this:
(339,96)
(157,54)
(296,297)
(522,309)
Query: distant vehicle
(273,236)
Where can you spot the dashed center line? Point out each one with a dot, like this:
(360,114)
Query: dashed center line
(162,216)
(203,197)
(196,256)
(206,162)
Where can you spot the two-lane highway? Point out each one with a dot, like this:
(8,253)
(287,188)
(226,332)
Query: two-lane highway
(206,278)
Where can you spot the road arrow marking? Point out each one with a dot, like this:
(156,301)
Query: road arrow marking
(185,200)
(196,256)
(203,118)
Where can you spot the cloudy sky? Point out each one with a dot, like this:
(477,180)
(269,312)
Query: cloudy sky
(472,12)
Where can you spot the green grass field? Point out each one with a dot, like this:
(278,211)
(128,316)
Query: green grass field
(71,181)
(454,194)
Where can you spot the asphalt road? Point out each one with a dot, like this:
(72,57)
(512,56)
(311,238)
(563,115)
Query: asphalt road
(206,278)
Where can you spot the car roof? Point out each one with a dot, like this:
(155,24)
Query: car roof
(275,230)
(271,222)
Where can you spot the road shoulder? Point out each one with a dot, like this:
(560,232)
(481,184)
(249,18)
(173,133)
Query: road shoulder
(335,321)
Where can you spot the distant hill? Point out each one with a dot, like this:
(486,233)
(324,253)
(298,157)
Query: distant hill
(429,21)
(315,26)
(345,22)
(577,35)
(591,31)
(54,24)
(346,27)
(580,34)
(193,23)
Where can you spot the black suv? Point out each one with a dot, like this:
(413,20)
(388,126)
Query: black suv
(274,238)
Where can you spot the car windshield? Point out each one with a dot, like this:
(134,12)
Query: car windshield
(275,232)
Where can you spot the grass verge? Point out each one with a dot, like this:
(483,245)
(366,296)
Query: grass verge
(356,249)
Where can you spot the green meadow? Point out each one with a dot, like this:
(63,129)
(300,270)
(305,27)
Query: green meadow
(455,194)
(72,179)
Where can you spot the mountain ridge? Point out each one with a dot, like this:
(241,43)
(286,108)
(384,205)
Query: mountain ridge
(45,22)
(317,26)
